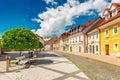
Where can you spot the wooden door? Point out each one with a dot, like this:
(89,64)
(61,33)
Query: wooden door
(107,49)
(70,49)
(79,48)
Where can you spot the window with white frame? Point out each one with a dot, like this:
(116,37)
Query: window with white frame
(96,47)
(79,38)
(76,30)
(80,29)
(96,35)
(107,16)
(106,33)
(114,12)
(115,46)
(115,30)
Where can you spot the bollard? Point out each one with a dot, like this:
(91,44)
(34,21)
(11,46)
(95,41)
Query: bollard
(7,63)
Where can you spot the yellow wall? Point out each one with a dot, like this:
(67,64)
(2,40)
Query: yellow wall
(111,40)
(56,46)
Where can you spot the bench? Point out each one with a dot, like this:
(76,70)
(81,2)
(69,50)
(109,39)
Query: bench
(23,60)
(20,60)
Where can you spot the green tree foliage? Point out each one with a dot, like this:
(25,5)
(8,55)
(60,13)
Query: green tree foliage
(41,45)
(20,38)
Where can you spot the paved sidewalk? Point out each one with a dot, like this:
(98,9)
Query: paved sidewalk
(48,66)
(105,58)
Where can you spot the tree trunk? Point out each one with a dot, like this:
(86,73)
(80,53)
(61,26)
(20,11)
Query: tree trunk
(0,51)
(20,52)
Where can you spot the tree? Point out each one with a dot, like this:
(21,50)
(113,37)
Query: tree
(20,38)
(41,45)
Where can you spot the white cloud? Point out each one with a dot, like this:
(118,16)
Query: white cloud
(115,1)
(50,1)
(54,20)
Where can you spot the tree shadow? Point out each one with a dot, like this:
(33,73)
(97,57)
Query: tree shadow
(12,54)
(37,62)
(40,55)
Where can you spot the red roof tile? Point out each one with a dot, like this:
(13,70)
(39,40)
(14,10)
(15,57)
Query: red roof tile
(103,21)
(106,9)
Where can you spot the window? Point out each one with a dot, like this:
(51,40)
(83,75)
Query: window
(79,49)
(96,47)
(114,12)
(107,16)
(90,48)
(115,46)
(80,29)
(79,38)
(76,30)
(106,33)
(115,30)
(96,35)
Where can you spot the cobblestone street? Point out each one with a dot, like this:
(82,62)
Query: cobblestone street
(47,66)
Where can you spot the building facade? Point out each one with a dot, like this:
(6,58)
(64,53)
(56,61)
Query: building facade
(99,36)
(110,30)
(56,45)
(49,44)
(94,41)
(76,39)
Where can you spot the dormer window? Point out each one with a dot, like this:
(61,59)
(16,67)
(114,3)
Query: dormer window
(76,30)
(80,29)
(114,12)
(107,16)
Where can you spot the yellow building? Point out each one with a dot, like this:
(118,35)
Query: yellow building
(110,30)
(56,44)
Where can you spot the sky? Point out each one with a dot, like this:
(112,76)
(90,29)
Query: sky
(49,18)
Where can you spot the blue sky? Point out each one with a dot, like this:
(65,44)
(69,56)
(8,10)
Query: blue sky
(48,18)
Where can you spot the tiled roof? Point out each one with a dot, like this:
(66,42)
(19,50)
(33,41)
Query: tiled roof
(110,19)
(57,40)
(115,4)
(64,35)
(91,24)
(103,21)
(49,41)
(106,9)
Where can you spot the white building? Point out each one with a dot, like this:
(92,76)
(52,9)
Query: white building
(94,41)
(76,39)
